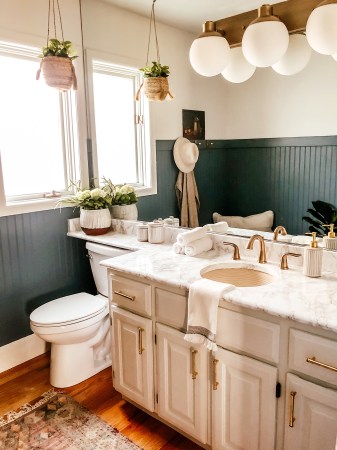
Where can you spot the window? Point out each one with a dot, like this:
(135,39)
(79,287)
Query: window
(37,137)
(120,129)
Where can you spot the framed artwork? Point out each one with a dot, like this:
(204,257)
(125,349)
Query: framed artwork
(193,124)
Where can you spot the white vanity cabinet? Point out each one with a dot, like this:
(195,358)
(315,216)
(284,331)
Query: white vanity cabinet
(311,419)
(243,402)
(182,377)
(133,357)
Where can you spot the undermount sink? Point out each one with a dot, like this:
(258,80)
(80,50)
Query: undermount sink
(239,274)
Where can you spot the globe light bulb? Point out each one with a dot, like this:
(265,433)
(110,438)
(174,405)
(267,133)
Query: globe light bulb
(296,57)
(238,69)
(321,28)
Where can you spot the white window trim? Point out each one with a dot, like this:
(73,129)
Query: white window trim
(149,166)
(22,206)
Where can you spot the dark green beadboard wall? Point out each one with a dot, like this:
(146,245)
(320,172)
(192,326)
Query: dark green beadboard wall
(38,262)
(249,176)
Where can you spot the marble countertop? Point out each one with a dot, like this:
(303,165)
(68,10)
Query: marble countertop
(292,295)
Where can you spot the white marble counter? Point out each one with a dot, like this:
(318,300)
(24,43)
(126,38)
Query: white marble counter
(292,295)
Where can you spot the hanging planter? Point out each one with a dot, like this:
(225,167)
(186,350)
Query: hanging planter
(56,64)
(156,86)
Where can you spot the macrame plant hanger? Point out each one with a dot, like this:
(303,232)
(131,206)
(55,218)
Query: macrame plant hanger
(58,71)
(155,87)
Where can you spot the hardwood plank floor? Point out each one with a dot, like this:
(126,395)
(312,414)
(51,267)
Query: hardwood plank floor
(29,380)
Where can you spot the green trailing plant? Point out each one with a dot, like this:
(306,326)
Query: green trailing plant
(156,70)
(323,214)
(63,49)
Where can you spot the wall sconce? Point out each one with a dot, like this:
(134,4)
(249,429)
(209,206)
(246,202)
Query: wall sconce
(266,39)
(321,28)
(209,53)
(296,57)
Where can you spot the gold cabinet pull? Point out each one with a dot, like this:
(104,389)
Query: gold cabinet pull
(194,371)
(291,409)
(320,364)
(215,383)
(129,297)
(140,340)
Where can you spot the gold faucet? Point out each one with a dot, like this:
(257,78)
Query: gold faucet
(279,229)
(236,254)
(262,256)
(284,261)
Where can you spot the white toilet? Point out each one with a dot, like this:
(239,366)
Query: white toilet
(78,326)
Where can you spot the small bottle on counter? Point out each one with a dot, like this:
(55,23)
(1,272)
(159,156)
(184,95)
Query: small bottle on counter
(156,231)
(142,232)
(330,241)
(312,259)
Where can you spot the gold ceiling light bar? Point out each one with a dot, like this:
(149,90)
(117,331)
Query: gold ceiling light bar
(293,13)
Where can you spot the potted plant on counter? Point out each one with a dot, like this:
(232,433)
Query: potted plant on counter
(95,216)
(124,200)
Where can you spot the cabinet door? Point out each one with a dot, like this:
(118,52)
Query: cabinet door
(314,412)
(244,403)
(133,357)
(182,382)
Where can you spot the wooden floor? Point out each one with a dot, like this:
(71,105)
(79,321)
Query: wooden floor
(28,381)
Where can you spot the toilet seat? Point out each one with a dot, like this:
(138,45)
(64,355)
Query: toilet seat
(69,310)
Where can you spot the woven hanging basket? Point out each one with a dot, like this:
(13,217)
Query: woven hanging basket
(156,88)
(58,72)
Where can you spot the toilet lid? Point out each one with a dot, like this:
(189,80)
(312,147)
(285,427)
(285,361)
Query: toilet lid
(69,309)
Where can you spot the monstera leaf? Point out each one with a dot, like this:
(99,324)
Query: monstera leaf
(323,214)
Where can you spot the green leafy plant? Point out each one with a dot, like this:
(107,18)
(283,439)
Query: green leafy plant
(62,49)
(156,70)
(121,194)
(323,214)
(95,198)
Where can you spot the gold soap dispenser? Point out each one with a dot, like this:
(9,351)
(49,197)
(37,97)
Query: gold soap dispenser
(330,241)
(312,259)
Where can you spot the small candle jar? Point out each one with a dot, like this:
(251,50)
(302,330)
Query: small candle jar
(156,232)
(142,232)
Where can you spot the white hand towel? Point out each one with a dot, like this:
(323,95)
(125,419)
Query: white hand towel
(219,227)
(203,301)
(191,235)
(178,248)
(198,246)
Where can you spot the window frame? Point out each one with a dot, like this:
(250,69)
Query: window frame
(146,155)
(74,150)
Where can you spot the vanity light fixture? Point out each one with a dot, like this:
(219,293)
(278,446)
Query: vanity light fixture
(321,28)
(210,52)
(266,39)
(296,57)
(238,69)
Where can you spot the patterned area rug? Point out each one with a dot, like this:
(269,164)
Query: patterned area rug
(55,421)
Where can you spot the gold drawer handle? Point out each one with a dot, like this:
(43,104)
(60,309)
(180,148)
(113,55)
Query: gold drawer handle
(320,364)
(194,371)
(215,383)
(140,341)
(291,409)
(129,297)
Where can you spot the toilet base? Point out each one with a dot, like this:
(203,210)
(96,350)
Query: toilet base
(73,363)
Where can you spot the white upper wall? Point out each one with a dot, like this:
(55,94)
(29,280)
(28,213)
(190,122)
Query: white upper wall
(267,105)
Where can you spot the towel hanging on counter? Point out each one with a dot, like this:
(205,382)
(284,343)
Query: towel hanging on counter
(203,301)
(188,199)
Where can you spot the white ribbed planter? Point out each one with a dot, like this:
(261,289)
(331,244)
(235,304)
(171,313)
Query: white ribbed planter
(95,221)
(125,212)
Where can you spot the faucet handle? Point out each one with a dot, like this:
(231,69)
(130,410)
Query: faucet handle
(236,254)
(284,261)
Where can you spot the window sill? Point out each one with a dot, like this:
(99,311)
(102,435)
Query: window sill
(23,207)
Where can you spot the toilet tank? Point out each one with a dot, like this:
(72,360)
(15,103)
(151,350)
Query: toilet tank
(96,253)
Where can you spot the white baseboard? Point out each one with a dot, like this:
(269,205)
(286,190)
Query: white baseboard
(20,351)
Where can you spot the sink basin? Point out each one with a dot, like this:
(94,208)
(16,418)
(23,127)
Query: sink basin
(239,274)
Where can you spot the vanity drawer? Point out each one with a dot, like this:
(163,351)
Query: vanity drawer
(130,294)
(321,351)
(171,308)
(256,337)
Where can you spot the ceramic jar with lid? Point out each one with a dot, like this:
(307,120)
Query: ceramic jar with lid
(171,221)
(142,232)
(156,232)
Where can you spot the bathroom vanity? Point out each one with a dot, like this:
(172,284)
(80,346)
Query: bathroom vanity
(272,383)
